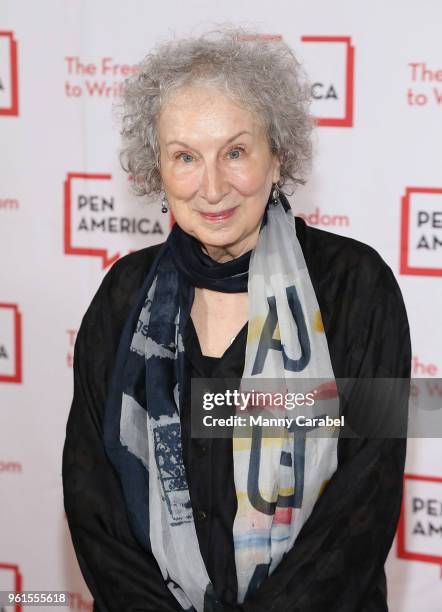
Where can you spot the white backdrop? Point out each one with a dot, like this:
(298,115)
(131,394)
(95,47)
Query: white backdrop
(66,214)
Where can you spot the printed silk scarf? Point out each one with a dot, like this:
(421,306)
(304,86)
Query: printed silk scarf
(277,480)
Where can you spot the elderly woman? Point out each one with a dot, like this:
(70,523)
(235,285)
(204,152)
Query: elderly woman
(161,520)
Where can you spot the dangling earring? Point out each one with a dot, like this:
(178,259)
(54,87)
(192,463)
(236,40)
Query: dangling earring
(164,208)
(275,195)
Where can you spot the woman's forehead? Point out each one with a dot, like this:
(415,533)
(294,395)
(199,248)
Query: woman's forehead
(199,108)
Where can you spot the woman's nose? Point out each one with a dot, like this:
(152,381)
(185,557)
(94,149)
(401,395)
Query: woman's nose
(214,184)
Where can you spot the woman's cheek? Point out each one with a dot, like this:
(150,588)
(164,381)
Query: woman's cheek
(183,185)
(248,180)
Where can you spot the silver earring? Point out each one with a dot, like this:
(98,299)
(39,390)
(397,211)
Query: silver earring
(275,195)
(164,208)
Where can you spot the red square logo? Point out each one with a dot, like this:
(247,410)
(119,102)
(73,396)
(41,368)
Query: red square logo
(420,525)
(421,231)
(103,219)
(10,344)
(8,74)
(11,580)
(330,62)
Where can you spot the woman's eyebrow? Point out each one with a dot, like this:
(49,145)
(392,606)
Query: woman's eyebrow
(183,144)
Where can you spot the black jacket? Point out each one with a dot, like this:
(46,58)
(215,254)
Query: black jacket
(337,562)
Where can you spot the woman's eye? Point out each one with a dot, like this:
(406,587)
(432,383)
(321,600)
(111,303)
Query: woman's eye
(238,150)
(185,157)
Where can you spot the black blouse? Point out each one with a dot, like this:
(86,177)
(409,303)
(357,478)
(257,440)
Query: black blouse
(209,469)
(337,561)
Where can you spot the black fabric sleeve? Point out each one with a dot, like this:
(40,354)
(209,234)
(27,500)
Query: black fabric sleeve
(119,574)
(337,561)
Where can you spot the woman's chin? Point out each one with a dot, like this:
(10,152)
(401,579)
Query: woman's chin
(218,237)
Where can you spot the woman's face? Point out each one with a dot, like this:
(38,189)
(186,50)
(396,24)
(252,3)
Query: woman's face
(217,169)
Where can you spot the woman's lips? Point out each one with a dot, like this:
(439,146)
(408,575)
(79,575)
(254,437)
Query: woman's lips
(220,216)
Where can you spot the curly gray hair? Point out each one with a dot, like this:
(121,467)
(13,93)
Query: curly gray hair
(260,73)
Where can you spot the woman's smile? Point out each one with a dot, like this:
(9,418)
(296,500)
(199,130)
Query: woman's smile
(216,217)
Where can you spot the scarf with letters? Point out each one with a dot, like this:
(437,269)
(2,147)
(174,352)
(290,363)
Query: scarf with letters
(277,479)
